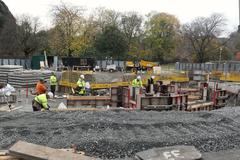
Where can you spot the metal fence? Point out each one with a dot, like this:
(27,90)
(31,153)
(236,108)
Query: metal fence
(224,67)
(26,63)
(104,63)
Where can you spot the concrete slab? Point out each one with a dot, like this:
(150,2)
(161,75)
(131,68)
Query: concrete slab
(173,153)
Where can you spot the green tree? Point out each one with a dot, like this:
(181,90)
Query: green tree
(43,41)
(111,42)
(161,36)
(84,43)
(68,22)
(131,25)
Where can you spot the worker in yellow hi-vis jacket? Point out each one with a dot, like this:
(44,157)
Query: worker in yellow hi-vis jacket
(81,86)
(137,82)
(40,102)
(136,87)
(53,83)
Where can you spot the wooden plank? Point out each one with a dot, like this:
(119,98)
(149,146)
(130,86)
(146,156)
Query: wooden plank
(157,107)
(178,95)
(3,152)
(4,155)
(79,109)
(190,89)
(133,102)
(88,98)
(202,105)
(26,150)
(8,158)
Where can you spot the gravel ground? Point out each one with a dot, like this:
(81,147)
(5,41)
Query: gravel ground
(118,134)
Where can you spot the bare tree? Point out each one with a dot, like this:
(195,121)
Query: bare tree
(202,35)
(27,34)
(106,17)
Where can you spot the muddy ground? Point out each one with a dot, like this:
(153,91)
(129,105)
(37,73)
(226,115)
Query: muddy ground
(118,134)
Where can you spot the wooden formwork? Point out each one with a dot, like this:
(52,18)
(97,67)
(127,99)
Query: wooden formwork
(193,93)
(180,84)
(126,97)
(156,103)
(180,101)
(174,101)
(219,98)
(131,97)
(88,101)
(200,106)
(116,96)
(171,88)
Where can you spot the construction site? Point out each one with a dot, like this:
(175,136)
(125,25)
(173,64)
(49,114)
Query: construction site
(189,111)
(122,80)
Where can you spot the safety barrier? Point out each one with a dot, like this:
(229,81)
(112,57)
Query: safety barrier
(96,85)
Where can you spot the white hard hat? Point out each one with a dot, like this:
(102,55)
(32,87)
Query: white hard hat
(138,77)
(50,94)
(152,77)
(82,76)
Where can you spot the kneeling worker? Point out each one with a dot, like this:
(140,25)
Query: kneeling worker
(40,102)
(81,86)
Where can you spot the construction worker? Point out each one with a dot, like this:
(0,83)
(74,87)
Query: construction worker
(81,86)
(40,102)
(136,86)
(53,83)
(88,88)
(150,83)
(137,82)
(40,87)
(6,89)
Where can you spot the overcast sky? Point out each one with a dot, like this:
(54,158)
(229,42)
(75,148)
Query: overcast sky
(185,10)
